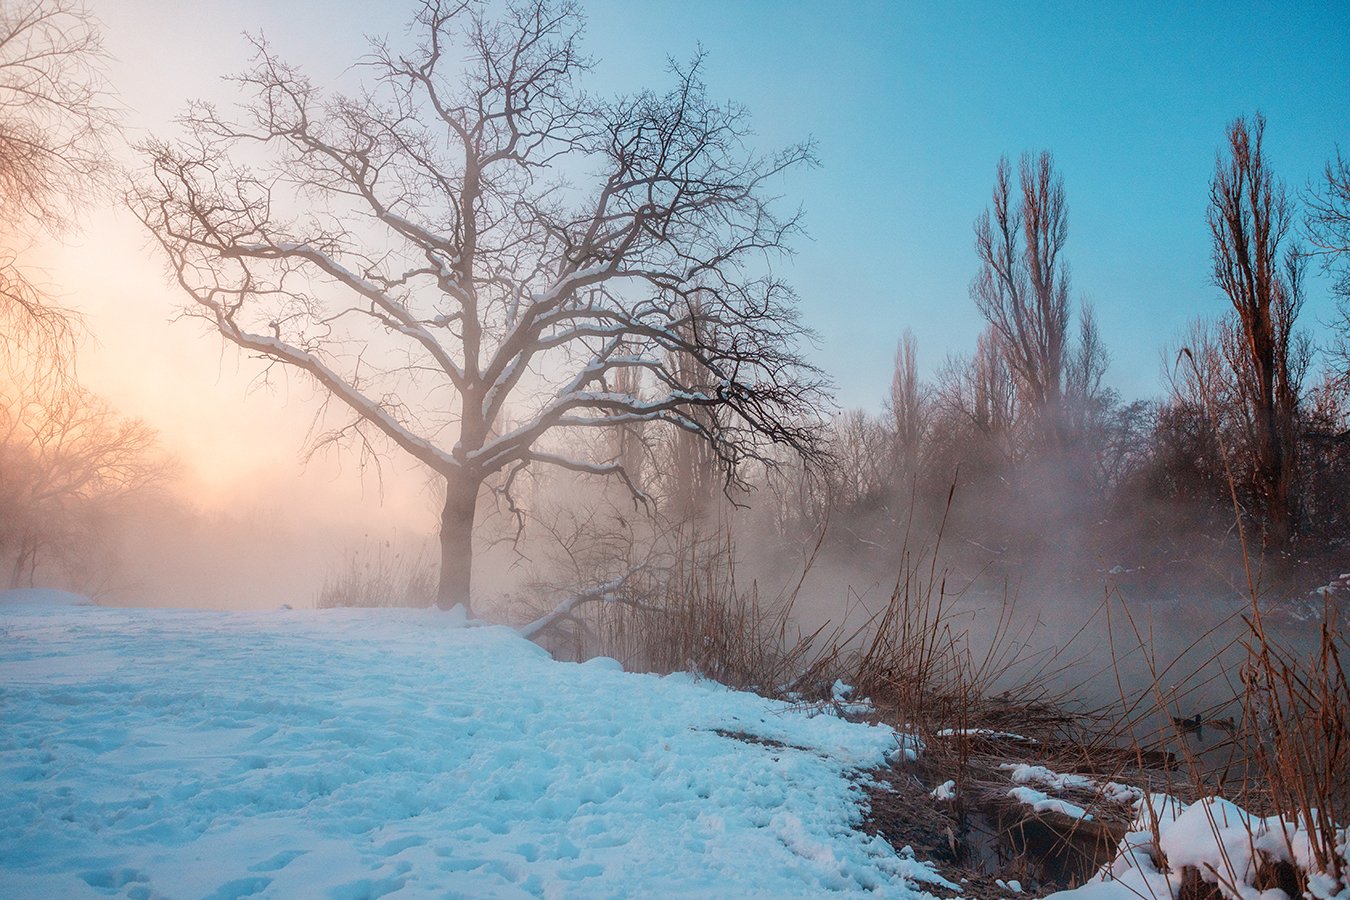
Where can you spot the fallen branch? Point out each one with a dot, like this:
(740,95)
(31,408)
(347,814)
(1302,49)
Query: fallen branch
(563,610)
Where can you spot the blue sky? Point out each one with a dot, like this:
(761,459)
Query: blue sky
(911,105)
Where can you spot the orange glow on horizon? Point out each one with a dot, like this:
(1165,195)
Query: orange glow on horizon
(236,439)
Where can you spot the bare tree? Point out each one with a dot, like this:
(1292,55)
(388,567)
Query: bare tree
(55,121)
(67,462)
(860,452)
(692,464)
(909,406)
(434,251)
(1087,366)
(974,437)
(1023,286)
(1324,457)
(628,441)
(1329,234)
(980,395)
(1249,218)
(1329,218)
(1201,423)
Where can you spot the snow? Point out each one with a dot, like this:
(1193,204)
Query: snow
(346,753)
(1216,838)
(1120,793)
(908,750)
(1022,773)
(984,733)
(1212,830)
(945,791)
(1027,775)
(841,695)
(1041,802)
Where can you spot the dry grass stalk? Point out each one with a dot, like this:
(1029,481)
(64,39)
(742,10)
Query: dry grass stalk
(378,574)
(692,614)
(1290,747)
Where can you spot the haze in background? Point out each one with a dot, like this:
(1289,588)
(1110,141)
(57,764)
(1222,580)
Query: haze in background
(912,105)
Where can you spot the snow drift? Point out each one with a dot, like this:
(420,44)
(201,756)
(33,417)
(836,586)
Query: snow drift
(361,753)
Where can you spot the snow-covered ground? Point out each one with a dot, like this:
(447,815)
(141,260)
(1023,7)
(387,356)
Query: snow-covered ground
(163,753)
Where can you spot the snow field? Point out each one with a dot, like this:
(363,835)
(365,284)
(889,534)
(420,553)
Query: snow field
(363,753)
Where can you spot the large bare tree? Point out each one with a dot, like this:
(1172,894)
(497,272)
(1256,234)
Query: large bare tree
(468,252)
(1249,219)
(55,123)
(1022,289)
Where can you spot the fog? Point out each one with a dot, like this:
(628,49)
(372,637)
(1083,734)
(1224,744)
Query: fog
(476,440)
(1087,487)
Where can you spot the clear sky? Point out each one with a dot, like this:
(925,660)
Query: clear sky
(911,105)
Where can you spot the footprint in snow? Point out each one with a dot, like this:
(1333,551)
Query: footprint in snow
(280,861)
(240,887)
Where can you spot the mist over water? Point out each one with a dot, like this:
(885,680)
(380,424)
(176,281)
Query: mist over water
(1103,620)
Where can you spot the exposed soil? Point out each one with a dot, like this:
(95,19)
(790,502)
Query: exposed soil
(983,835)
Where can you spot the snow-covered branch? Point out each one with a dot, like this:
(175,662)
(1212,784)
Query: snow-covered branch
(607,592)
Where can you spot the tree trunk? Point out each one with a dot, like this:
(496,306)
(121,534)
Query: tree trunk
(25,559)
(461,502)
(1274,461)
